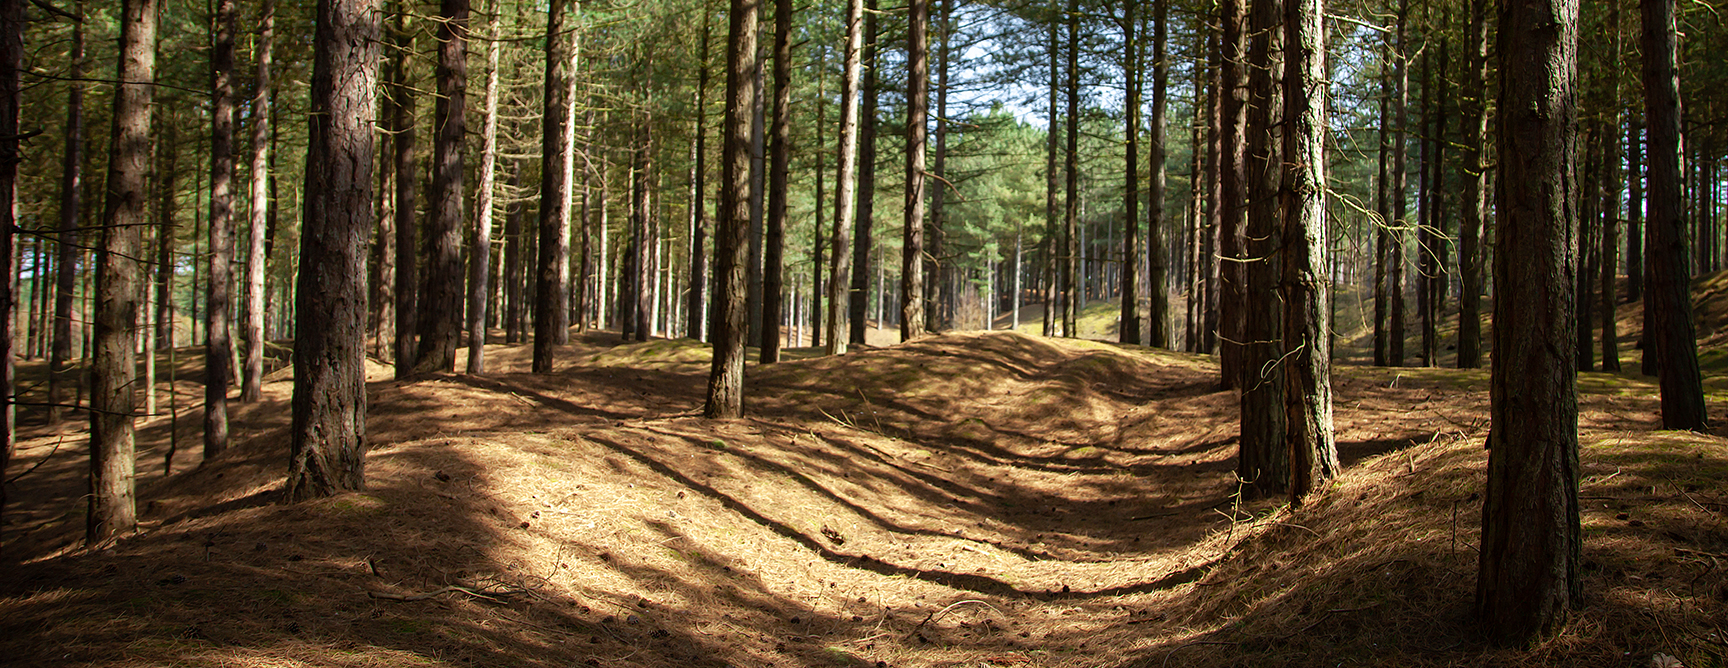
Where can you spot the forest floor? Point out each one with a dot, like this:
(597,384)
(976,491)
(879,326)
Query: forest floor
(969,499)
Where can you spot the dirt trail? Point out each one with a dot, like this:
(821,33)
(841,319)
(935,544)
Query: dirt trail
(968,499)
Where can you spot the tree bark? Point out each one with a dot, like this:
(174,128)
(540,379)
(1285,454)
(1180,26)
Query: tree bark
(550,310)
(725,395)
(1129,327)
(779,171)
(441,316)
(480,255)
(328,434)
(1157,254)
(112,509)
(399,105)
(698,296)
(862,240)
(846,173)
(1263,458)
(60,372)
(1400,177)
(1473,173)
(1528,570)
(1233,197)
(912,316)
(1307,308)
(219,346)
(11,84)
(1073,289)
(1667,298)
(252,318)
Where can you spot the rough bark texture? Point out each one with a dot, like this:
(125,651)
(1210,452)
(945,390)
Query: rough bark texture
(1399,186)
(1233,198)
(328,453)
(862,239)
(219,290)
(480,256)
(258,221)
(60,372)
(1528,571)
(1073,292)
(400,107)
(1263,459)
(112,509)
(1307,301)
(11,71)
(917,116)
(725,397)
(697,299)
(779,171)
(1128,329)
(846,176)
(441,316)
(550,312)
(1157,258)
(1473,174)
(1667,298)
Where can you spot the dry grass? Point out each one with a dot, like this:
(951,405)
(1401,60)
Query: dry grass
(963,500)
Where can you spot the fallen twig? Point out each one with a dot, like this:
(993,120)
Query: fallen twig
(388,596)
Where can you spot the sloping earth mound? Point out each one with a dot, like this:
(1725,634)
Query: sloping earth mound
(968,499)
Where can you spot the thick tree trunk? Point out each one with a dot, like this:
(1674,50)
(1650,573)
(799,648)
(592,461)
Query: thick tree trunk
(940,272)
(399,105)
(252,318)
(697,299)
(1233,197)
(441,316)
(1528,573)
(1263,458)
(862,240)
(11,82)
(912,316)
(1048,243)
(1129,327)
(1383,213)
(1157,254)
(1073,287)
(514,275)
(644,240)
(219,290)
(1307,308)
(1400,178)
(1473,173)
(779,171)
(725,395)
(1667,299)
(480,255)
(550,309)
(328,435)
(846,173)
(71,208)
(112,509)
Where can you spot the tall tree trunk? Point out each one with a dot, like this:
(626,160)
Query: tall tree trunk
(480,255)
(550,310)
(1074,288)
(399,105)
(817,231)
(862,240)
(939,274)
(1048,243)
(1307,309)
(441,318)
(1129,327)
(646,239)
(1214,216)
(779,171)
(1263,458)
(112,509)
(1635,208)
(1400,178)
(165,212)
(219,347)
(252,318)
(1589,222)
(1528,574)
(725,395)
(71,206)
(1383,211)
(846,173)
(11,83)
(1667,298)
(514,277)
(1157,254)
(1233,198)
(1473,173)
(697,299)
(328,435)
(912,317)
